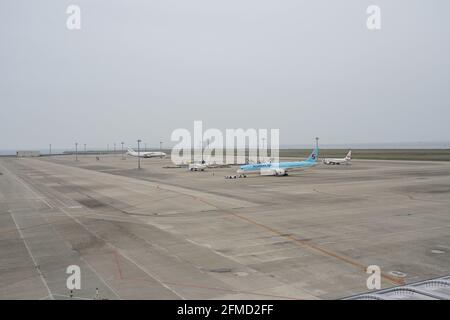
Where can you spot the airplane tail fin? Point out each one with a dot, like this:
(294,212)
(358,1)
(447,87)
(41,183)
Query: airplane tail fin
(349,155)
(314,155)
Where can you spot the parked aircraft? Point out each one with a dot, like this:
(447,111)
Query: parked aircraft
(146,154)
(279,168)
(346,160)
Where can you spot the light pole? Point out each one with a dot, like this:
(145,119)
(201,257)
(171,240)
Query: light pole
(145,147)
(160,145)
(76,151)
(50,149)
(201,148)
(263,150)
(85,148)
(139,153)
(207,146)
(123,156)
(317,142)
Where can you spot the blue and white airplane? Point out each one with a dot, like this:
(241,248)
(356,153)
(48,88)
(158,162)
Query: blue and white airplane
(279,168)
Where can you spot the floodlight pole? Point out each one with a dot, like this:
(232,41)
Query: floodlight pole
(139,153)
(201,146)
(76,151)
(123,156)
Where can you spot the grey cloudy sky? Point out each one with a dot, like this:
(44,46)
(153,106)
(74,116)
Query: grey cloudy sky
(139,69)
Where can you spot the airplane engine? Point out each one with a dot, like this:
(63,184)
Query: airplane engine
(273,172)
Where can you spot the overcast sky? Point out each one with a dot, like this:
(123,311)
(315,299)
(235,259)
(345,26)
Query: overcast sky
(140,69)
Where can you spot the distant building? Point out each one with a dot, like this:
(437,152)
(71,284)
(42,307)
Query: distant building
(27,153)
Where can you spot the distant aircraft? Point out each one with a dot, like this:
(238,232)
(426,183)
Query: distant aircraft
(280,168)
(346,160)
(197,166)
(201,165)
(147,154)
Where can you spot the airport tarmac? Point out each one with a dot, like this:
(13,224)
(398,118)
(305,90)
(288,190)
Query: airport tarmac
(166,233)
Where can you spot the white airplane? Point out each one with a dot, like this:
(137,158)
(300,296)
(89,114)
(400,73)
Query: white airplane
(201,165)
(346,160)
(197,166)
(146,154)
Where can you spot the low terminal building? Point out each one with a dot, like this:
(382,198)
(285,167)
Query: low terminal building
(28,153)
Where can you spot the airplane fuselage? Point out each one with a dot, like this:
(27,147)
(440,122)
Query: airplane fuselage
(336,161)
(346,160)
(279,168)
(147,154)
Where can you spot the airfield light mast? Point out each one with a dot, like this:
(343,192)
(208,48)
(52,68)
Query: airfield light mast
(76,151)
(123,157)
(264,150)
(139,153)
(207,146)
(201,146)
